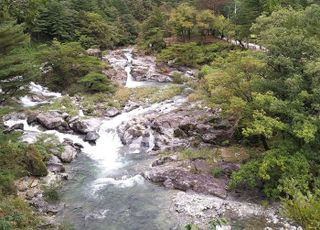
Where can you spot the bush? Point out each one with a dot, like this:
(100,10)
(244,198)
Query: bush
(47,145)
(16,214)
(51,193)
(178,78)
(304,209)
(274,170)
(18,160)
(217,172)
(63,104)
(97,83)
(68,63)
(187,54)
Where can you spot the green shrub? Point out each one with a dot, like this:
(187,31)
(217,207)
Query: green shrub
(246,176)
(304,209)
(178,78)
(186,54)
(217,172)
(47,145)
(51,193)
(16,214)
(96,83)
(18,160)
(64,104)
(7,183)
(274,170)
(213,224)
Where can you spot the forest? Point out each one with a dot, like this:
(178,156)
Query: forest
(257,62)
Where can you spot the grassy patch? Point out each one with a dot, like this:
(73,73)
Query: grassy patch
(217,172)
(51,193)
(16,214)
(208,154)
(95,103)
(63,104)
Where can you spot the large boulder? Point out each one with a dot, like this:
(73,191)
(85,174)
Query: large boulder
(112,112)
(182,179)
(69,153)
(80,127)
(94,52)
(52,120)
(55,165)
(92,137)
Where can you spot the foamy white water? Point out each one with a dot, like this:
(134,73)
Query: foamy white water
(41,91)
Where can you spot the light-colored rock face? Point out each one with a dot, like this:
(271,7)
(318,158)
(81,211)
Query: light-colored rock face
(68,154)
(52,120)
(200,209)
(55,165)
(94,52)
(112,112)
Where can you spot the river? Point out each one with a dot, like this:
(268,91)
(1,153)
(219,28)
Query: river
(105,190)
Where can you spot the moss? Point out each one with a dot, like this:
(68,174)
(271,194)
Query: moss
(34,162)
(47,145)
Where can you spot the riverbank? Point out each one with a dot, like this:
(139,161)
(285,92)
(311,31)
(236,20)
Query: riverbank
(111,157)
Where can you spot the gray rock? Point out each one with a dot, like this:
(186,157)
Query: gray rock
(112,112)
(79,127)
(68,154)
(94,52)
(19,126)
(182,179)
(55,165)
(131,106)
(92,137)
(229,168)
(32,118)
(52,120)
(14,116)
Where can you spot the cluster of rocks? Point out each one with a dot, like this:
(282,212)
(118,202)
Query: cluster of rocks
(200,209)
(143,68)
(181,128)
(118,61)
(63,122)
(31,189)
(180,174)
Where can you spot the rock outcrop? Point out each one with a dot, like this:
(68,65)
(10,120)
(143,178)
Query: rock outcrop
(175,174)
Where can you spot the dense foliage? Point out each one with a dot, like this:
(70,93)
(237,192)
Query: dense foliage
(272,93)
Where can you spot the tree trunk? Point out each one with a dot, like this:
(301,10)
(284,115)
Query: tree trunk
(264,142)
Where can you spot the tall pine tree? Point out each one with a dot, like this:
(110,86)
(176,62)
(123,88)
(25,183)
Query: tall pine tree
(14,68)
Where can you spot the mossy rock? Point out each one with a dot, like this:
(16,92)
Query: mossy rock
(35,165)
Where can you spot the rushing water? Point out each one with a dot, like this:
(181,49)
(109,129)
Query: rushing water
(105,190)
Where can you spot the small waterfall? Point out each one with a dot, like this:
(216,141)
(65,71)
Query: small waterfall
(43,94)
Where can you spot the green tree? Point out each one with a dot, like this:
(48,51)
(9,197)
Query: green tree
(95,31)
(96,83)
(183,20)
(15,69)
(152,31)
(68,63)
(205,21)
(56,20)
